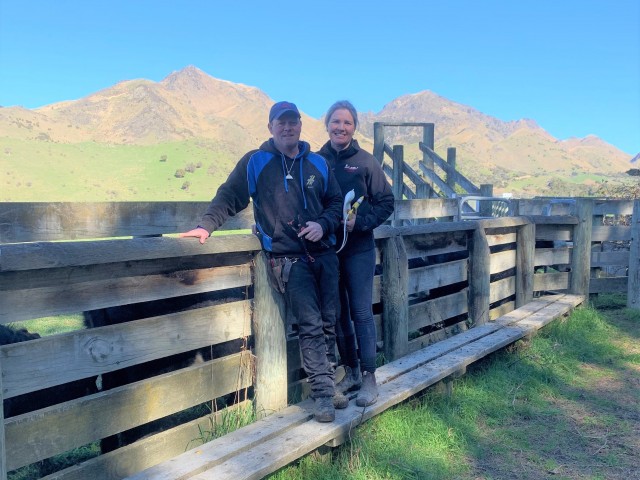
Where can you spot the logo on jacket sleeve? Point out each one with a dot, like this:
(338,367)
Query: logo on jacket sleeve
(311,180)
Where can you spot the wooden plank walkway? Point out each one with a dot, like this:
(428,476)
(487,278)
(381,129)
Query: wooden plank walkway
(269,444)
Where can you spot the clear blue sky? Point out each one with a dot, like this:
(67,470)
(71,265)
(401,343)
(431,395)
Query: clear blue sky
(573,66)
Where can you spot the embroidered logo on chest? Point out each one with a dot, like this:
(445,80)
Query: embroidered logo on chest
(350,168)
(310,181)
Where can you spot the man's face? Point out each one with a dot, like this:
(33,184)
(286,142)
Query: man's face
(286,131)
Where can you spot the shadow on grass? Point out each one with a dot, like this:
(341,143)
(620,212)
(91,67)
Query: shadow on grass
(560,406)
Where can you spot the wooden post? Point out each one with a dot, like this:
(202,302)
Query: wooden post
(633,282)
(428,139)
(3,453)
(422,191)
(398,171)
(395,313)
(485,208)
(525,258)
(270,342)
(479,277)
(378,141)
(397,177)
(451,161)
(428,136)
(581,256)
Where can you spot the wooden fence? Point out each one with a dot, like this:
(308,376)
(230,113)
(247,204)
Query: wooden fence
(435,178)
(434,280)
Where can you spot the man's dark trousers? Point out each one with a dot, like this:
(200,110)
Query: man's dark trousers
(312,295)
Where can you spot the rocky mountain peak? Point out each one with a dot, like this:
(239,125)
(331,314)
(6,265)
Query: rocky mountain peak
(188,79)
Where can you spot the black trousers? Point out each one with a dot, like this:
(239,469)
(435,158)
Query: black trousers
(356,321)
(312,296)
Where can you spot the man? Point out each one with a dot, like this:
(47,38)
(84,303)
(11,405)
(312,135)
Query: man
(297,205)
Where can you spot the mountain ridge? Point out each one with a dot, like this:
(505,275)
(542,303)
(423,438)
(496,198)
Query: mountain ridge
(189,104)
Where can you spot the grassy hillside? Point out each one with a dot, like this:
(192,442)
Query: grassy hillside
(100,172)
(46,171)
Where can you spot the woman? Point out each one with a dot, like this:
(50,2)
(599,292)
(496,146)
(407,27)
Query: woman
(357,170)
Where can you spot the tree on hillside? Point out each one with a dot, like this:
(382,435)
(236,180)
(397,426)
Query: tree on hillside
(619,190)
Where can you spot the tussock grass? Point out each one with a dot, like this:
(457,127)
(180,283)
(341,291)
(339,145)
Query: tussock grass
(226,421)
(563,405)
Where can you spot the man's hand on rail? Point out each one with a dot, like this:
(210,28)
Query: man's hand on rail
(198,232)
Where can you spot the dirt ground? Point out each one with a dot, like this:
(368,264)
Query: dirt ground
(595,430)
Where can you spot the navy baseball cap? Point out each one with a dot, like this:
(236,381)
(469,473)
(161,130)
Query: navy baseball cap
(282,107)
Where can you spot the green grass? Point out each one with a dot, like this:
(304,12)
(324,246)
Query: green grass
(559,406)
(52,325)
(45,171)
(38,171)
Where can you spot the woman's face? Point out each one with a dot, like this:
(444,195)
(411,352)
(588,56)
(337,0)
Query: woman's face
(341,128)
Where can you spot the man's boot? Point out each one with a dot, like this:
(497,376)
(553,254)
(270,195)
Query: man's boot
(368,394)
(324,410)
(340,400)
(351,381)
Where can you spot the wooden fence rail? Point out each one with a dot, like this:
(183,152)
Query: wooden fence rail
(435,280)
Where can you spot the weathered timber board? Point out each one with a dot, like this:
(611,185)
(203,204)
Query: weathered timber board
(610,233)
(420,246)
(41,278)
(501,261)
(33,256)
(424,208)
(535,206)
(78,297)
(34,436)
(554,232)
(58,359)
(502,289)
(501,239)
(606,259)
(386,231)
(615,207)
(437,336)
(36,221)
(550,281)
(433,276)
(377,289)
(608,285)
(437,310)
(148,451)
(501,310)
(552,256)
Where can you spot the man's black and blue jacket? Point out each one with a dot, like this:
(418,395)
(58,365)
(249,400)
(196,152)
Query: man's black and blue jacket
(281,206)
